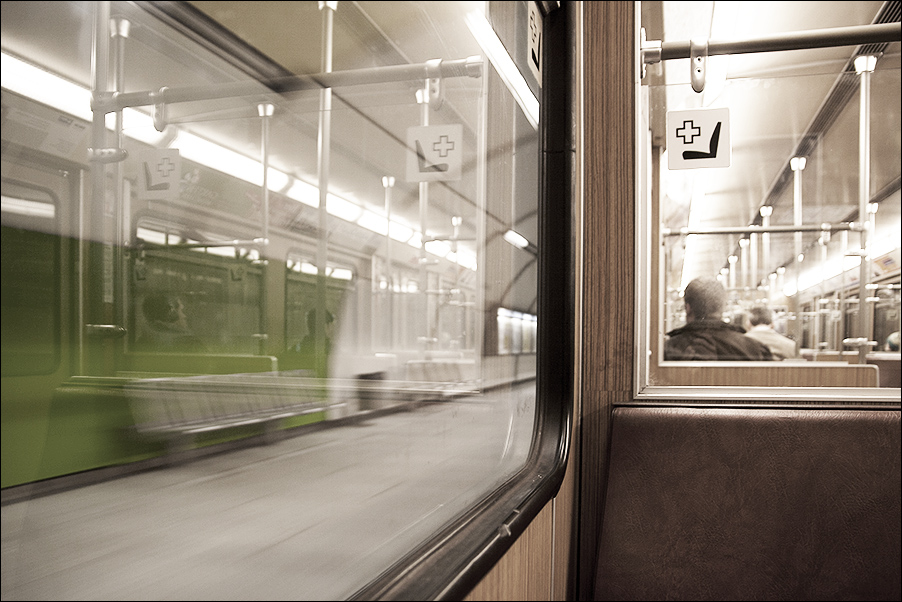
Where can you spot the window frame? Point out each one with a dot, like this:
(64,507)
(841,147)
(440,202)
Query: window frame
(649,296)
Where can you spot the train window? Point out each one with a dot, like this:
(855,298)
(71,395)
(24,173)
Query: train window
(193,297)
(316,225)
(31,280)
(770,201)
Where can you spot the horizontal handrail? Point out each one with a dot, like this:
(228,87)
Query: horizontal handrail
(653,52)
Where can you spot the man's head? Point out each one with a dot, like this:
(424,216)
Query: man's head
(311,320)
(761,315)
(705,298)
(163,307)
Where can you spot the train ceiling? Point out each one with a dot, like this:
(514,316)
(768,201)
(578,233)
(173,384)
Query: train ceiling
(776,105)
(278,38)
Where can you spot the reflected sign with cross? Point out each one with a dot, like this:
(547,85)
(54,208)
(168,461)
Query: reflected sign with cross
(434,152)
(159,174)
(698,138)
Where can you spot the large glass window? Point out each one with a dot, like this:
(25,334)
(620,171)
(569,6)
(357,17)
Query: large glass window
(770,198)
(310,224)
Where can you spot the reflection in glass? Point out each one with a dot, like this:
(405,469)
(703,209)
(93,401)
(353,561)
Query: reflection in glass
(804,221)
(300,244)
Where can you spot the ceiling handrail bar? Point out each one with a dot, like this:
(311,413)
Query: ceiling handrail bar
(656,51)
(467,67)
(763,229)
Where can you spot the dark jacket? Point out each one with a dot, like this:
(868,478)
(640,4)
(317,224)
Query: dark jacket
(713,340)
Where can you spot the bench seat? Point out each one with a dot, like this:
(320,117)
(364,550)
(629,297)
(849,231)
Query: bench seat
(751,504)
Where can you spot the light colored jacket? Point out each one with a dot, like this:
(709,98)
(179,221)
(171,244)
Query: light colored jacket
(781,347)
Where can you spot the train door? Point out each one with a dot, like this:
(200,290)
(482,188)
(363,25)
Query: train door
(39,345)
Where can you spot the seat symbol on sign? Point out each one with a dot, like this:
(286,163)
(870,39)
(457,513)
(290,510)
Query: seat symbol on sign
(425,166)
(435,152)
(699,138)
(164,168)
(712,146)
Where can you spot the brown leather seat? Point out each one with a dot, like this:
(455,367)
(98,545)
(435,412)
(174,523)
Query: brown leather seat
(752,504)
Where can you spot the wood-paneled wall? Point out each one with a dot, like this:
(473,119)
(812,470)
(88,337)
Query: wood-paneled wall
(608,331)
(555,558)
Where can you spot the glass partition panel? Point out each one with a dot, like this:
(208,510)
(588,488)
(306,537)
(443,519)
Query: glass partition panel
(770,199)
(289,224)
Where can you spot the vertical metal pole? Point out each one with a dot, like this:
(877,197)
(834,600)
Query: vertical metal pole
(324,149)
(96,283)
(479,317)
(766,212)
(864,65)
(265,111)
(844,249)
(744,260)
(423,99)
(732,260)
(388,183)
(821,305)
(119,29)
(797,164)
(753,266)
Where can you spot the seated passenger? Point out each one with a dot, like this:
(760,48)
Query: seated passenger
(304,355)
(892,342)
(706,336)
(167,326)
(763,330)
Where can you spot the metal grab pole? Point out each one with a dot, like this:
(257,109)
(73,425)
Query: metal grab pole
(324,150)
(92,277)
(265,111)
(865,65)
(765,229)
(279,87)
(423,99)
(797,164)
(653,52)
(388,183)
(119,31)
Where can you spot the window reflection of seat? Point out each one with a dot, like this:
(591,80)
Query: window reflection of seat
(771,374)
(889,366)
(191,363)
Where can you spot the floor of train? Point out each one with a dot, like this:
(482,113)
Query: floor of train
(314,516)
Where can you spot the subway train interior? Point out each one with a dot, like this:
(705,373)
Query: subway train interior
(385,300)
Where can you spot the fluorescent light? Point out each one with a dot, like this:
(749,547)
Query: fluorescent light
(44,87)
(341,274)
(516,239)
(212,155)
(342,208)
(438,247)
(400,232)
(305,193)
(152,236)
(373,222)
(221,251)
(29,208)
(276,180)
(504,65)
(467,260)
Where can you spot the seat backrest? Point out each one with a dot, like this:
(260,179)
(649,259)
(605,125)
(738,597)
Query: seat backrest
(889,366)
(766,504)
